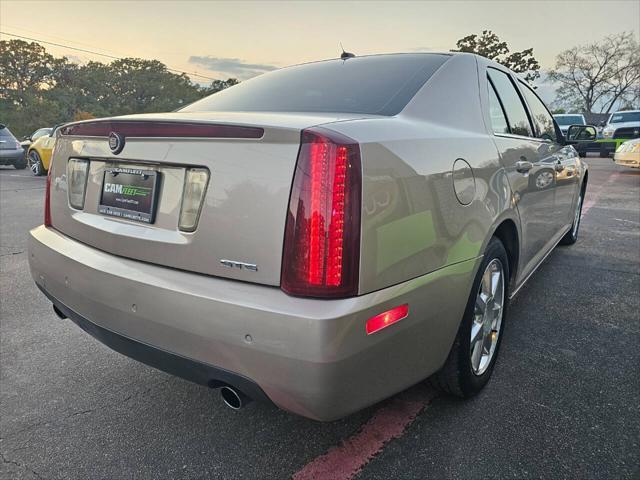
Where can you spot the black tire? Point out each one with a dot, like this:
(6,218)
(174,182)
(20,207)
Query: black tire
(604,153)
(35,163)
(20,164)
(456,377)
(571,236)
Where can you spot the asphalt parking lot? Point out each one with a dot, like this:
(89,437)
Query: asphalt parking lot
(563,401)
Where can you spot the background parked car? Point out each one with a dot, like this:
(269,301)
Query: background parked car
(621,126)
(29,139)
(565,120)
(628,154)
(39,153)
(11,152)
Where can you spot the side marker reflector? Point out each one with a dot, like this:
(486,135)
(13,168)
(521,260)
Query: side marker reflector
(387,318)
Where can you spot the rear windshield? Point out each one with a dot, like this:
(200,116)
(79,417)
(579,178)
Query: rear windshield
(625,117)
(41,133)
(570,120)
(376,85)
(4,132)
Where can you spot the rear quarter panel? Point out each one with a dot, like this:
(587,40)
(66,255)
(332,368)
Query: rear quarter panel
(412,221)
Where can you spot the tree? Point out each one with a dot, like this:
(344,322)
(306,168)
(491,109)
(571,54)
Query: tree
(218,85)
(80,115)
(37,89)
(140,86)
(599,75)
(489,45)
(24,68)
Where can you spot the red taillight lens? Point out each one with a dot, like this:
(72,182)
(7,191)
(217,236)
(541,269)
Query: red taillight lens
(387,318)
(322,237)
(47,200)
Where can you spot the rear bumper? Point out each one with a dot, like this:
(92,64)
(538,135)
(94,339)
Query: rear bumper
(189,369)
(9,157)
(627,159)
(311,357)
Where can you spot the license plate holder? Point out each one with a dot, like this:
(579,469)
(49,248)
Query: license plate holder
(129,193)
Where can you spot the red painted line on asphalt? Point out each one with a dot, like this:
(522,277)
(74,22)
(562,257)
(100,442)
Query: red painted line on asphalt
(346,460)
(593,198)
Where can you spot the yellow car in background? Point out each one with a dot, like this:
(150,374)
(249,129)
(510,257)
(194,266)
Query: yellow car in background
(39,153)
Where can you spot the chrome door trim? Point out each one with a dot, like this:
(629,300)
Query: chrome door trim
(520,137)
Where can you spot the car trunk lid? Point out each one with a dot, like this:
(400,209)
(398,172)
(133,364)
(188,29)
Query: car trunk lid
(242,220)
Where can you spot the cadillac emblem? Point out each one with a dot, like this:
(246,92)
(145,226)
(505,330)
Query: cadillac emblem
(116,142)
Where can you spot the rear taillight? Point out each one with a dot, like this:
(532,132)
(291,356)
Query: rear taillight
(322,237)
(77,174)
(195,186)
(47,199)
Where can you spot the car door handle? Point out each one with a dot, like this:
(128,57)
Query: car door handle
(523,166)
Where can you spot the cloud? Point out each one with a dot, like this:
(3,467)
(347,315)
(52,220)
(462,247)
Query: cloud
(76,59)
(231,67)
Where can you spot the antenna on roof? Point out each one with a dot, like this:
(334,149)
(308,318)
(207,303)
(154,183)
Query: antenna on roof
(345,55)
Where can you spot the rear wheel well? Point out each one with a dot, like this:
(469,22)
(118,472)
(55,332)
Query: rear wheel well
(584,183)
(508,235)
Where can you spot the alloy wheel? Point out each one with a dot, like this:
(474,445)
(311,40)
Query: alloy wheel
(34,163)
(487,319)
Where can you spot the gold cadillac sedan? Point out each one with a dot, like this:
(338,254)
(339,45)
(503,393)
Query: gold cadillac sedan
(320,237)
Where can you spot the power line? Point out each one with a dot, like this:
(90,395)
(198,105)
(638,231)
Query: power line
(97,53)
(58,38)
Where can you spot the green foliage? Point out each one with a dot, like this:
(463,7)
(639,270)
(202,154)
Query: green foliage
(218,85)
(489,45)
(39,90)
(24,67)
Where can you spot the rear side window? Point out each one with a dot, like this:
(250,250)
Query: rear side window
(517,117)
(498,118)
(569,119)
(621,117)
(542,119)
(376,85)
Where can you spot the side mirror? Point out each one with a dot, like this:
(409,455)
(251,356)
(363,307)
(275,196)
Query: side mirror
(581,133)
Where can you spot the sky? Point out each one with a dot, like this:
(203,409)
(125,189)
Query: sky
(218,39)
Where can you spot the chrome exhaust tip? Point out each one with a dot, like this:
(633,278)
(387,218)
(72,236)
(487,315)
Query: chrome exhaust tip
(233,398)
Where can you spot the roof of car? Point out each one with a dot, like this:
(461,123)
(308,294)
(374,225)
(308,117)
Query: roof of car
(371,56)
